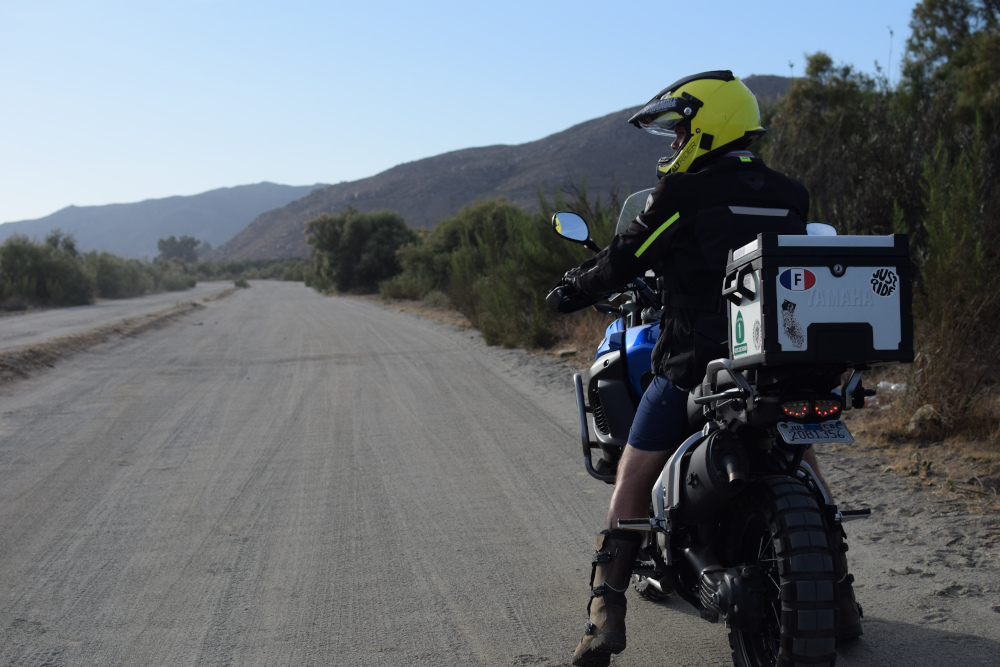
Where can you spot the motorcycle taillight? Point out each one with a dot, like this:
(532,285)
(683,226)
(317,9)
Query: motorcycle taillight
(827,407)
(796,409)
(824,408)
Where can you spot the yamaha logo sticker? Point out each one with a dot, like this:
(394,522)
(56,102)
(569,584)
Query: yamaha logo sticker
(797,280)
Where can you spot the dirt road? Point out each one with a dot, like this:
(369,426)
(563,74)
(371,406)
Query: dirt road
(30,328)
(286,479)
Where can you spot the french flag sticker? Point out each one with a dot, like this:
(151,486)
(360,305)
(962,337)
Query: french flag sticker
(797,280)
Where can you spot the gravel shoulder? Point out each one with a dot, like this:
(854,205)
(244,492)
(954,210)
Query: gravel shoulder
(21,329)
(37,340)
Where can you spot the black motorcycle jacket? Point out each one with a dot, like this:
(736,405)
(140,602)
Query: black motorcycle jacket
(684,234)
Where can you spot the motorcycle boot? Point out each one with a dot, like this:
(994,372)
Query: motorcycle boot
(849,611)
(610,576)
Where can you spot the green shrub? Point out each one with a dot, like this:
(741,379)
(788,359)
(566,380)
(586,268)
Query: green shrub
(959,287)
(437,299)
(356,251)
(174,282)
(405,286)
(494,262)
(49,273)
(183,249)
(118,278)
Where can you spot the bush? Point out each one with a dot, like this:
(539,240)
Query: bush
(959,288)
(437,299)
(251,269)
(173,275)
(118,278)
(49,273)
(173,282)
(405,286)
(183,249)
(356,251)
(495,262)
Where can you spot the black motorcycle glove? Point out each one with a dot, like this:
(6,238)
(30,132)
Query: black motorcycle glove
(565,297)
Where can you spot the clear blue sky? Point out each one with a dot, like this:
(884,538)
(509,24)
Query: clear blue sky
(113,101)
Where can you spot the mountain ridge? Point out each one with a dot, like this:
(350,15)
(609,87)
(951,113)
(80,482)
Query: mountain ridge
(607,153)
(266,220)
(425,191)
(133,229)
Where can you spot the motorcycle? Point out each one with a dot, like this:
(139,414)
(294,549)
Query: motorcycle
(739,525)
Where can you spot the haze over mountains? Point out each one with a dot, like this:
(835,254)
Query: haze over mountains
(265,221)
(132,230)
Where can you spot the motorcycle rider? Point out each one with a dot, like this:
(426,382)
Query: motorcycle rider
(712,195)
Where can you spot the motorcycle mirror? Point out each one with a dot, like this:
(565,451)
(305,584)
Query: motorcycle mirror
(574,228)
(570,226)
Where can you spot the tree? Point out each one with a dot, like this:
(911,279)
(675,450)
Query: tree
(48,273)
(58,240)
(842,134)
(182,249)
(355,251)
(955,49)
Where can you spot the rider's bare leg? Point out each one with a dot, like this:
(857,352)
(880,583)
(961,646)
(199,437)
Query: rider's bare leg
(615,556)
(638,471)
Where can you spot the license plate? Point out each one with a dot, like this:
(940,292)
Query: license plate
(802,434)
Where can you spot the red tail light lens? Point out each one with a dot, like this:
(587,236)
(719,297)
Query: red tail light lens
(824,408)
(827,407)
(796,409)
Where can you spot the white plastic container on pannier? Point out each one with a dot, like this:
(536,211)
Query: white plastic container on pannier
(820,300)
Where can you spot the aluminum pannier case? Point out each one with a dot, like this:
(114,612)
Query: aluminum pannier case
(820,300)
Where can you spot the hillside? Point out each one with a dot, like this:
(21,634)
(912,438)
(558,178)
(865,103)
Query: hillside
(132,230)
(606,151)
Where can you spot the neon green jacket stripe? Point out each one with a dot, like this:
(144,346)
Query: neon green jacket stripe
(659,231)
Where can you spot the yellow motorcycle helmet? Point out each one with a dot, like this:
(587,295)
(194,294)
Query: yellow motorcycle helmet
(717,110)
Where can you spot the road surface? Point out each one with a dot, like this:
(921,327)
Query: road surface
(283,478)
(29,328)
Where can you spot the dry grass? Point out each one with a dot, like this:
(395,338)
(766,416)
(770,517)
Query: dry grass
(959,463)
(578,335)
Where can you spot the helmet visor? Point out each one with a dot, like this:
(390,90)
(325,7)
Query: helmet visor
(662,125)
(662,114)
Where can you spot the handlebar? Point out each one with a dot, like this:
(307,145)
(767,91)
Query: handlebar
(564,298)
(645,289)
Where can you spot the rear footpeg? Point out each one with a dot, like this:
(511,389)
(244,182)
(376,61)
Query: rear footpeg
(645,525)
(852,515)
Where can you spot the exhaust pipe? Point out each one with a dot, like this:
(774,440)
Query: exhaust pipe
(716,472)
(735,470)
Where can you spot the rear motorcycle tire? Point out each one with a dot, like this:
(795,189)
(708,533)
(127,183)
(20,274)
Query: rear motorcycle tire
(781,530)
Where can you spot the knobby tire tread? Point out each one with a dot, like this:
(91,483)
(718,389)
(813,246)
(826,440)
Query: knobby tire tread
(804,572)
